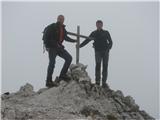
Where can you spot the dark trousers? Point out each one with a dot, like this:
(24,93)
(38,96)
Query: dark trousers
(53,52)
(101,56)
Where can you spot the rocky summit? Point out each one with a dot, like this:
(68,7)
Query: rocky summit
(77,99)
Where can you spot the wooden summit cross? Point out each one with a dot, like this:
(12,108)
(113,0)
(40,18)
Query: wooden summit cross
(78,41)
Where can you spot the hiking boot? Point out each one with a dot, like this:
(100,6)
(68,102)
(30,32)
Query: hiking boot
(98,82)
(105,85)
(65,78)
(57,80)
(50,84)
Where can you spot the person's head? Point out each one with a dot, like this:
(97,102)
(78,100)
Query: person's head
(60,19)
(99,24)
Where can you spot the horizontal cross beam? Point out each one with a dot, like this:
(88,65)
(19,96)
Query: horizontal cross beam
(78,35)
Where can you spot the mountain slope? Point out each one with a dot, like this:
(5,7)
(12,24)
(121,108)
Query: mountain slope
(78,99)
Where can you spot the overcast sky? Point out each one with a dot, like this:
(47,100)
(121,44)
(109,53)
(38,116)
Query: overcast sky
(133,62)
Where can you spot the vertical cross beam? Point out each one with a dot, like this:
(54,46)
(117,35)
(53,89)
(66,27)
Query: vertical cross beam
(77,46)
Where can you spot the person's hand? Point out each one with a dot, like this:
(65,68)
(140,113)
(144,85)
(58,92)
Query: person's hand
(74,41)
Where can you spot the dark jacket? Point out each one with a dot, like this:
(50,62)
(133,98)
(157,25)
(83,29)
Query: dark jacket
(102,40)
(52,34)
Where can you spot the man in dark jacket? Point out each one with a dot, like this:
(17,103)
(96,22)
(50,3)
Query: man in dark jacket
(55,34)
(102,44)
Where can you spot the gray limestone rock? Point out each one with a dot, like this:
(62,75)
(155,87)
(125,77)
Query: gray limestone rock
(77,99)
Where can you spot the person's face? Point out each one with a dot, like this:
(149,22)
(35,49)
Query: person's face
(60,19)
(99,25)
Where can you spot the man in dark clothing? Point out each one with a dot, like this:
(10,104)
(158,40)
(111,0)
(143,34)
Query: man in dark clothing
(102,44)
(55,35)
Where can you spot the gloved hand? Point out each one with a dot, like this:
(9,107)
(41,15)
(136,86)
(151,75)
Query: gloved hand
(80,46)
(74,41)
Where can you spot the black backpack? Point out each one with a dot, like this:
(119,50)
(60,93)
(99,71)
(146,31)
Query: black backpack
(46,33)
(45,36)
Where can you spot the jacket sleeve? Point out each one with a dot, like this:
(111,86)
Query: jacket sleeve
(86,41)
(109,40)
(68,38)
